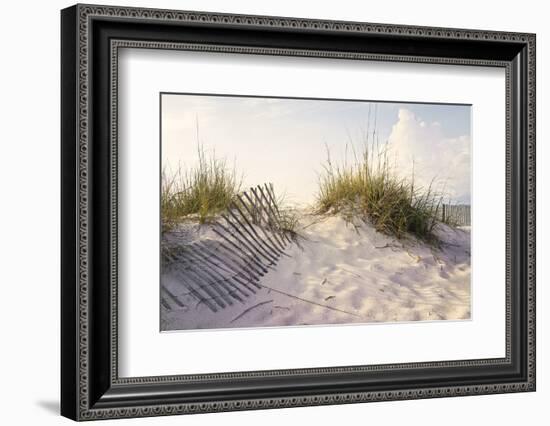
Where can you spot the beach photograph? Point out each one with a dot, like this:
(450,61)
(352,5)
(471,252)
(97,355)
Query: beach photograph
(278,211)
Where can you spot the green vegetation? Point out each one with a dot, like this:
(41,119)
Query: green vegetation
(371,190)
(200,193)
(203,193)
(288,217)
(289,222)
(368,189)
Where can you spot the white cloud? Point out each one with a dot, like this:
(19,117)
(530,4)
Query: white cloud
(434,155)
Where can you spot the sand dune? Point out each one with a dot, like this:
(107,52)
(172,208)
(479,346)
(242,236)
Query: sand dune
(341,273)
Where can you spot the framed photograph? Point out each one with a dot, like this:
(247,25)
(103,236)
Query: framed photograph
(263,212)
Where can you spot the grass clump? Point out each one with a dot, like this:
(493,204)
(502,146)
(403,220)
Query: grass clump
(371,190)
(199,193)
(279,216)
(289,222)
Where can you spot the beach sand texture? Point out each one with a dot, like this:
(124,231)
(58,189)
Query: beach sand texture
(341,273)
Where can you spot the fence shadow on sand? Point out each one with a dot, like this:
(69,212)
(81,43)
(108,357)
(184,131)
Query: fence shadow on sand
(221,271)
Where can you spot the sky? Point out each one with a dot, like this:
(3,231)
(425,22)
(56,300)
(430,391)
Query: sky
(285,141)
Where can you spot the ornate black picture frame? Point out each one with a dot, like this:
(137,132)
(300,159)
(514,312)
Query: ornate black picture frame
(90,38)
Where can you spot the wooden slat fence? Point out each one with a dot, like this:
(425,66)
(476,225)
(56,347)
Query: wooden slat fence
(219,273)
(456,214)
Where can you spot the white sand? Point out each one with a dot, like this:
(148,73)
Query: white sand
(346,274)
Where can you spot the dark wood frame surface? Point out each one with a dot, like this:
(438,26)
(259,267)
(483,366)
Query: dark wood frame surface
(90,38)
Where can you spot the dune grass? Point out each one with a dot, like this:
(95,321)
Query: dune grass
(289,222)
(199,193)
(288,217)
(283,218)
(370,189)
